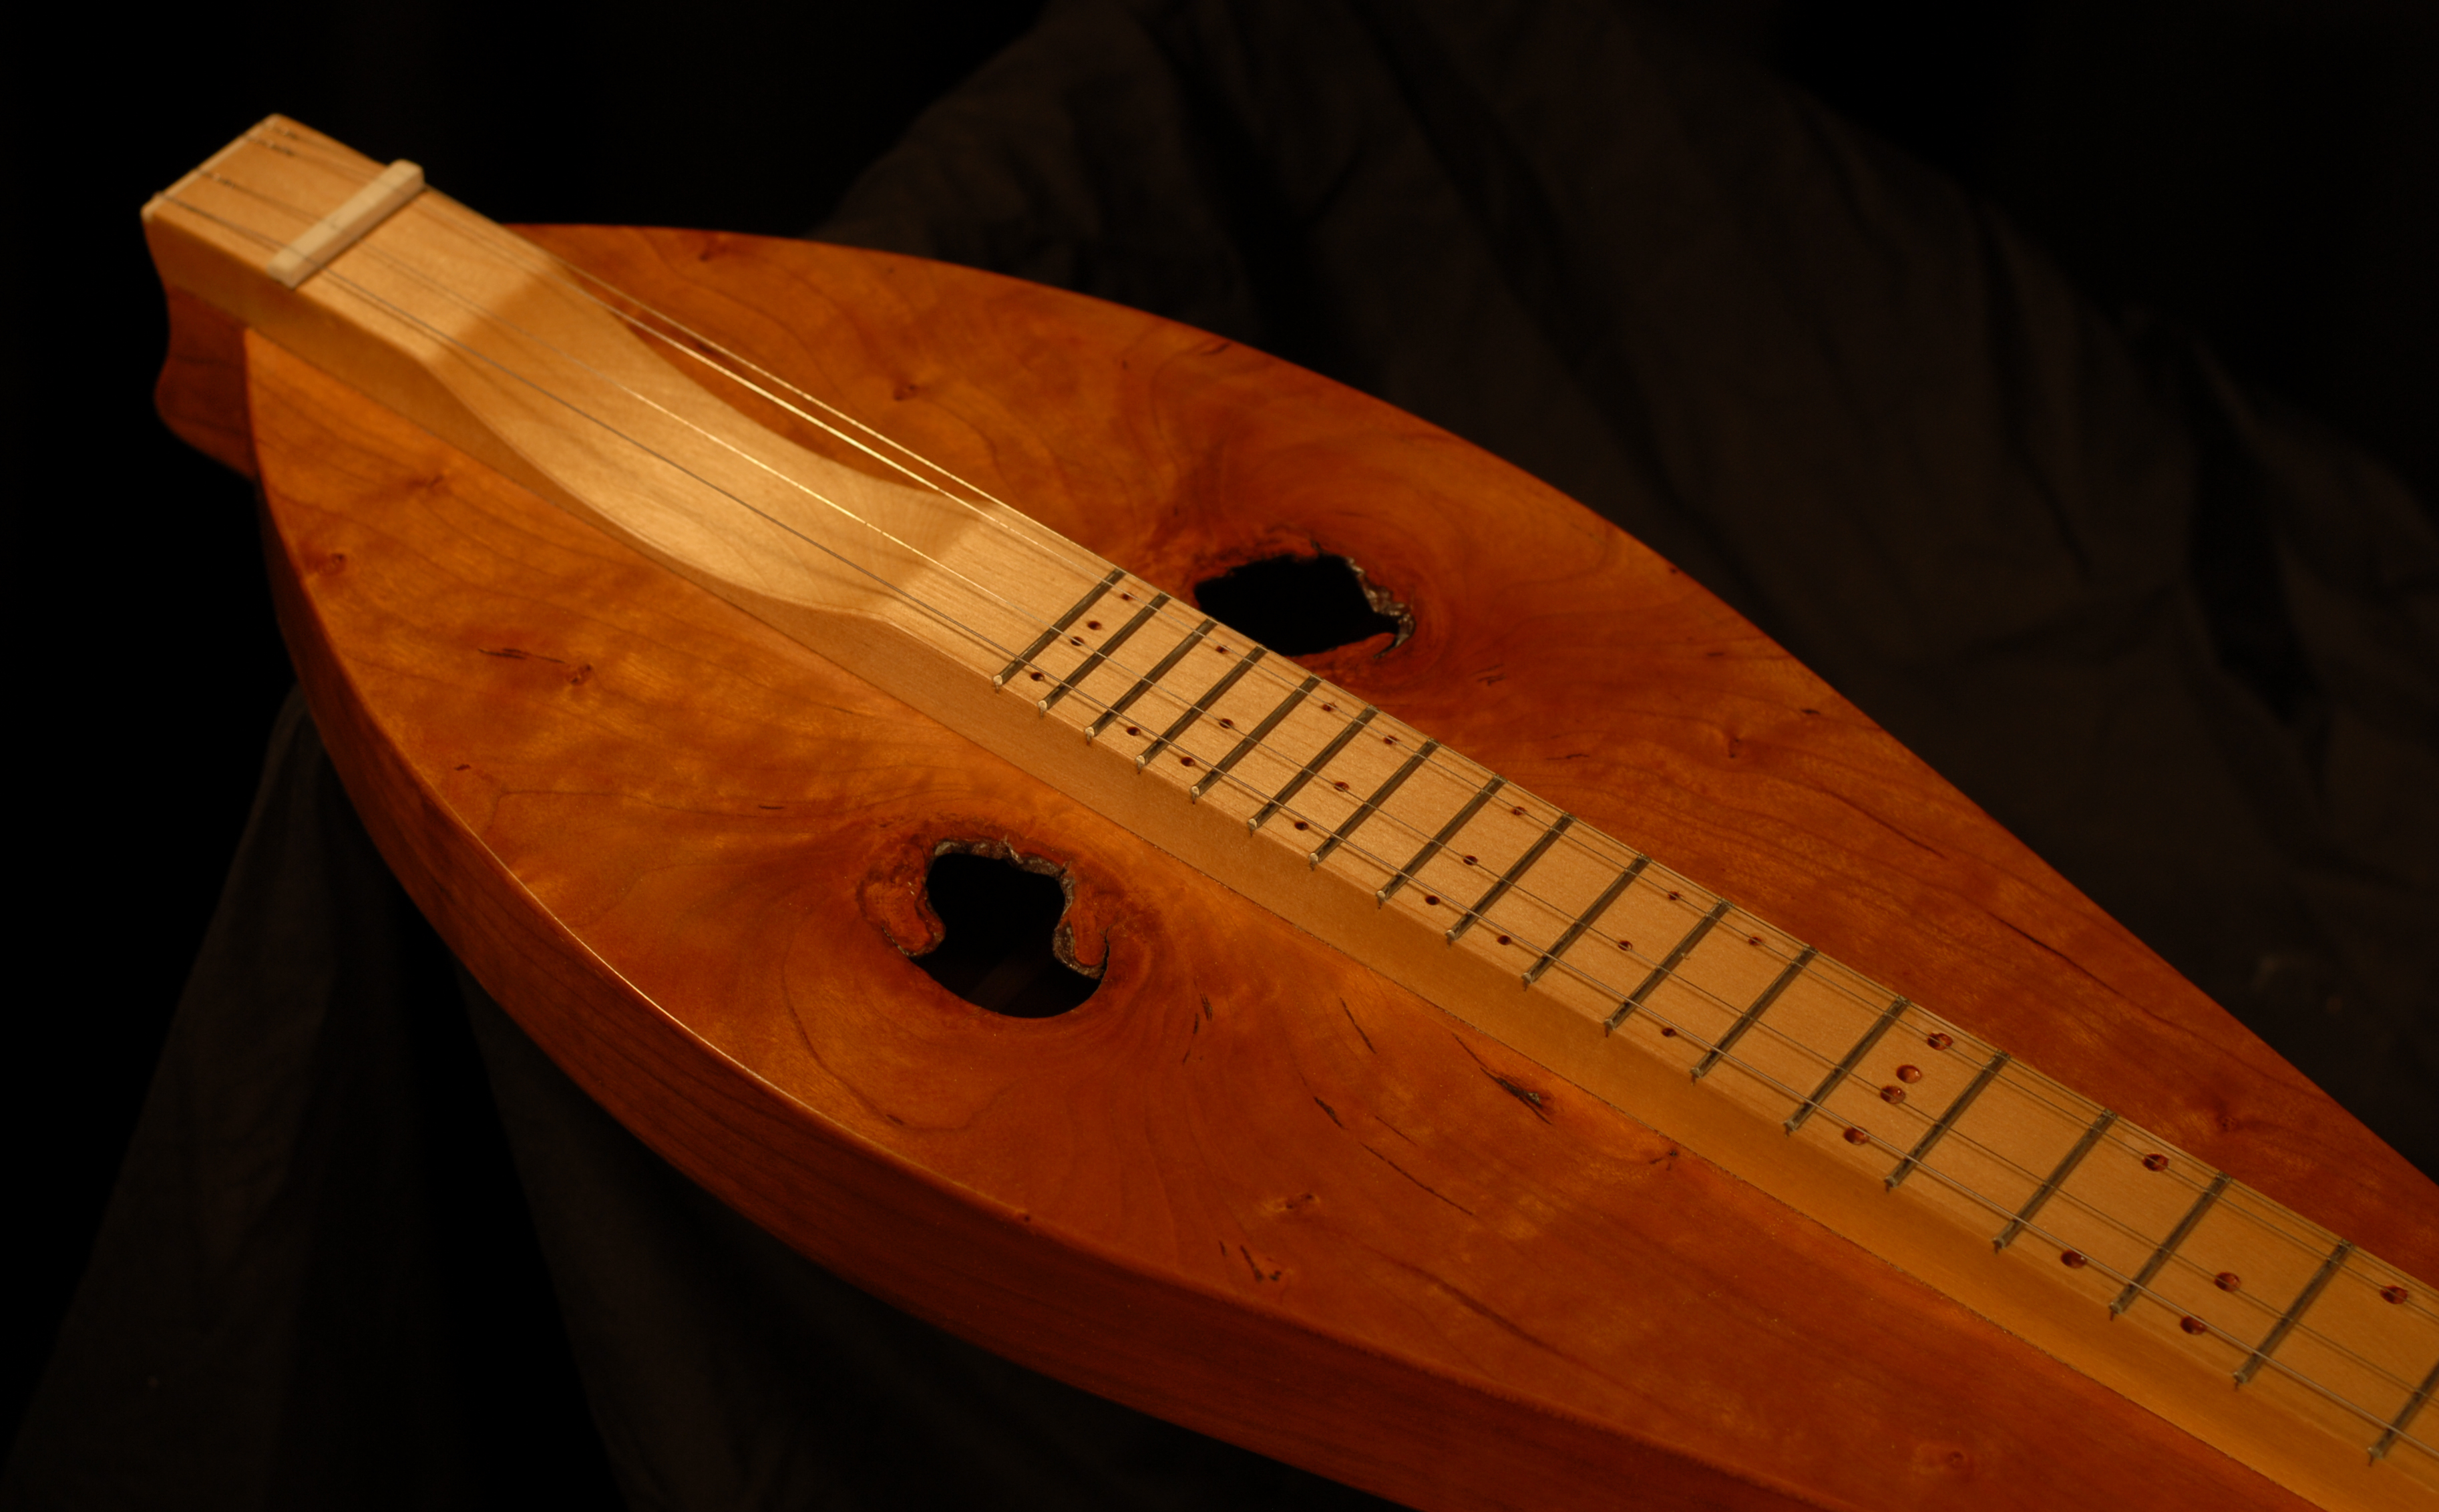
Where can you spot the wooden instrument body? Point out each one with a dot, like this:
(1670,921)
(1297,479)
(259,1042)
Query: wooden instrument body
(1251,1185)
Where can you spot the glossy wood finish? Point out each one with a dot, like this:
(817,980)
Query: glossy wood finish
(1249,1184)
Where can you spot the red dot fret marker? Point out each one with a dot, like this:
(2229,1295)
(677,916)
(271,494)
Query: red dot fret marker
(1473,861)
(1674,897)
(1892,1095)
(2193,1325)
(2228,1281)
(1856,1136)
(1626,945)
(1227,724)
(1301,824)
(1938,1042)
(2155,1163)
(1668,1031)
(1752,939)
(1388,739)
(2071,1260)
(1909,1074)
(1504,940)
(2393,1295)
(1430,900)
(1135,729)
(1340,785)
(1519,812)
(1330,708)
(1036,676)
(1185,761)
(1125,598)
(1092,624)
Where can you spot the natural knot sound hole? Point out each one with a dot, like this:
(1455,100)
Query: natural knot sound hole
(998,924)
(1299,605)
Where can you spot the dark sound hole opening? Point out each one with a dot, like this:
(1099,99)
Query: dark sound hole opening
(996,952)
(1299,605)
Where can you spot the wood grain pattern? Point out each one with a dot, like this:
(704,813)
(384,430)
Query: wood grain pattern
(1249,1185)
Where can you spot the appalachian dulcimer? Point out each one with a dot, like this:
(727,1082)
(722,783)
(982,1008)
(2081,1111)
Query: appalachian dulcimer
(668,600)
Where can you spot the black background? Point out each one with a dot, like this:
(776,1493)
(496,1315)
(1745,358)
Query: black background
(2261,173)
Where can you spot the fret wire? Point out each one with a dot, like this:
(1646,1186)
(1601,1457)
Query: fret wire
(2104,1269)
(1431,846)
(1752,1014)
(1588,917)
(2118,1226)
(2218,1187)
(1200,707)
(1659,972)
(1844,1068)
(1948,1120)
(1310,769)
(1150,678)
(2056,1179)
(1270,721)
(2168,1246)
(1052,632)
(2396,1428)
(1372,805)
(1523,864)
(2286,1323)
(1587,846)
(1102,653)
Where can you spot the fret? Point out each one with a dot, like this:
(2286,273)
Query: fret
(1839,1073)
(1947,1120)
(1431,846)
(1659,974)
(2169,1247)
(1040,642)
(1269,723)
(2058,1178)
(2405,1419)
(1200,707)
(1752,1015)
(1372,805)
(2286,1324)
(1145,683)
(1498,889)
(1312,768)
(1587,918)
(1108,648)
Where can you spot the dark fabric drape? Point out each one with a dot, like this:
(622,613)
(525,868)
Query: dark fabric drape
(370,1248)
